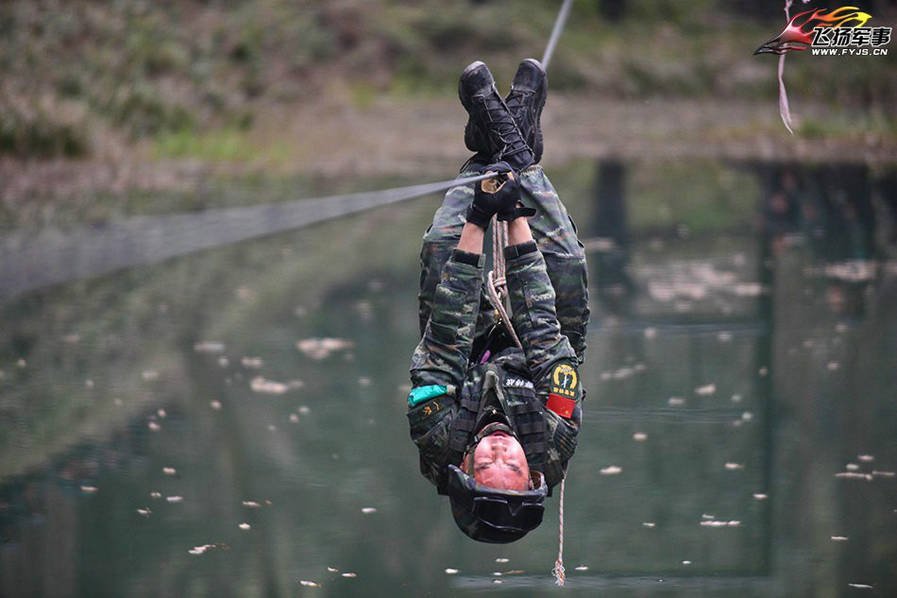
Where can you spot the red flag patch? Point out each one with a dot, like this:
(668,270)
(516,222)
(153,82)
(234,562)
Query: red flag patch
(561,405)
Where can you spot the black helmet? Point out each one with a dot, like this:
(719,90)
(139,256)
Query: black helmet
(491,515)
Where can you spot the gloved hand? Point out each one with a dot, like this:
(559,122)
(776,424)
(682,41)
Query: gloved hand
(497,195)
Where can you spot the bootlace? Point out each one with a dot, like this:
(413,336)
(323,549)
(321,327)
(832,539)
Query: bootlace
(504,127)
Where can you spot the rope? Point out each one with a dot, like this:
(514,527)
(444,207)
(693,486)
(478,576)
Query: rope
(559,23)
(560,576)
(30,261)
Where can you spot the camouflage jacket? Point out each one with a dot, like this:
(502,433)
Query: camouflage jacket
(542,377)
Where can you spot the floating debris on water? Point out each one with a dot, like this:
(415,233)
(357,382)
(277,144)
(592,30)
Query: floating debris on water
(639,436)
(223,362)
(253,363)
(169,471)
(150,375)
(244,526)
(724,337)
(251,504)
(174,499)
(294,419)
(763,371)
(734,466)
(839,538)
(502,560)
(747,416)
(718,523)
(304,410)
(162,413)
(883,474)
(451,571)
(264,386)
(648,524)
(497,573)
(736,398)
(611,470)
(309,584)
(88,489)
(201,549)
(88,383)
(332,569)
(153,426)
(364,381)
(706,390)
(675,401)
(144,512)
(759,496)
(861,586)
(272,428)
(851,467)
(208,347)
(650,332)
(155,495)
(497,581)
(368,510)
(686,562)
(21,363)
(320,348)
(349,574)
(832,366)
(854,475)
(748,289)
(866,458)
(581,568)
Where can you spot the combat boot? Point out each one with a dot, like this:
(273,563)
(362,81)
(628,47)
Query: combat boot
(526,100)
(491,130)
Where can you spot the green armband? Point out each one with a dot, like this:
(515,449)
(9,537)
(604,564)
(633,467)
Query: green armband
(424,393)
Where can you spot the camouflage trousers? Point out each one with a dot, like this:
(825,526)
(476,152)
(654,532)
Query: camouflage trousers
(554,233)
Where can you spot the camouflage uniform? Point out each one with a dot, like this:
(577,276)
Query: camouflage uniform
(554,232)
(515,381)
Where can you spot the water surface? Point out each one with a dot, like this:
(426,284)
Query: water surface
(165,432)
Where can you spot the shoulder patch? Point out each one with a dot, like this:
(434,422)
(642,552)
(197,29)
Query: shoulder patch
(564,380)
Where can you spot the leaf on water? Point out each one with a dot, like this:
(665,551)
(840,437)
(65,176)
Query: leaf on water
(320,348)
(252,363)
(706,390)
(264,386)
(209,347)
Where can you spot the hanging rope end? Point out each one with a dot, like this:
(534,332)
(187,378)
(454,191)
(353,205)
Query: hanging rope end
(560,577)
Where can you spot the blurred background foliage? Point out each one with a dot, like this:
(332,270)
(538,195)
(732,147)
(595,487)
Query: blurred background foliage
(77,71)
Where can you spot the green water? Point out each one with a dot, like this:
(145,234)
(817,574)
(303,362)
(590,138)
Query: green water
(737,363)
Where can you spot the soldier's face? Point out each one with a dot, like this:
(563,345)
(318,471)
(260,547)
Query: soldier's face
(499,462)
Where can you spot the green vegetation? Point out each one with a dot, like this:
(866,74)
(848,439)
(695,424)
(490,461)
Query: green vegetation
(169,71)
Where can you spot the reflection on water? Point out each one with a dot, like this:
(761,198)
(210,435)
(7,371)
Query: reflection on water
(165,432)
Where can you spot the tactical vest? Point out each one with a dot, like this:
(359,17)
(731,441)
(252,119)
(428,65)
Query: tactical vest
(495,386)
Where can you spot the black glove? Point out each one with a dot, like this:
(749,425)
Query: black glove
(498,195)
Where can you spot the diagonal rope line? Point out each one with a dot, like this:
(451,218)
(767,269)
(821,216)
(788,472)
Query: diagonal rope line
(556,31)
(31,261)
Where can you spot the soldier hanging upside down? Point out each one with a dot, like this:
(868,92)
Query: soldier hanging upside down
(496,424)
